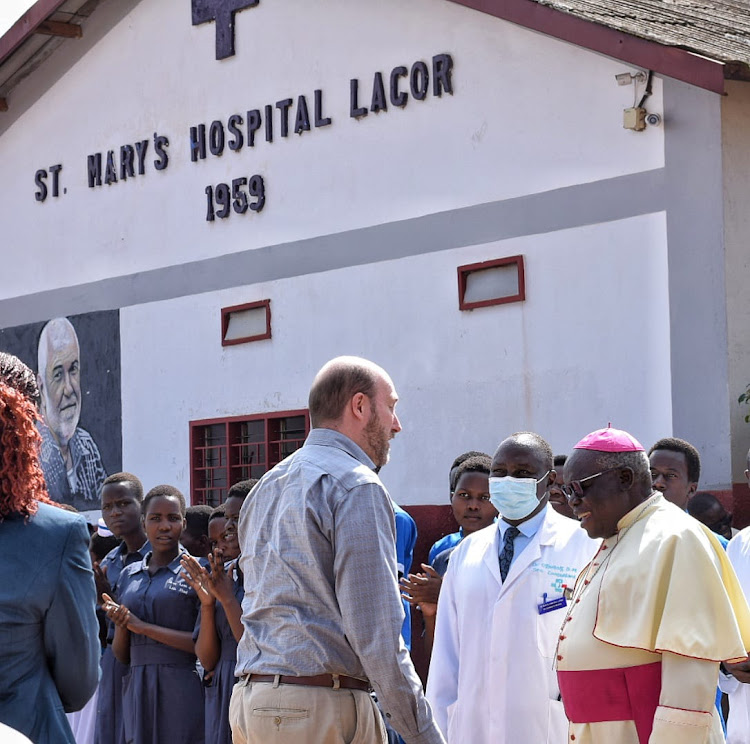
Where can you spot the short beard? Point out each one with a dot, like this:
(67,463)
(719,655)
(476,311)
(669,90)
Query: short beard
(378,441)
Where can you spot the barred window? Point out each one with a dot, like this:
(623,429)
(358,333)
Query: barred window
(226,451)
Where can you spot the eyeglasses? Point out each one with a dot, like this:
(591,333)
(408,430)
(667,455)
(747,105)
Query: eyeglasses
(574,488)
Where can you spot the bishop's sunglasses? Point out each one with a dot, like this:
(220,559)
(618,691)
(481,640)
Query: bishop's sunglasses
(575,489)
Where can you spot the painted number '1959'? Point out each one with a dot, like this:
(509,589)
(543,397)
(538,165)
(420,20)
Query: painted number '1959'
(223,199)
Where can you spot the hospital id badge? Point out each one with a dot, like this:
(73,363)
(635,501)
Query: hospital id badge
(546,606)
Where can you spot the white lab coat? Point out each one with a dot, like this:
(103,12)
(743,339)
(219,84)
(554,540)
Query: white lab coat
(492,678)
(738,724)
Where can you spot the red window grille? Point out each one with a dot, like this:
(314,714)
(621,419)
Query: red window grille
(226,451)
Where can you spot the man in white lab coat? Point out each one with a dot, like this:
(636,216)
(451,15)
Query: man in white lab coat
(492,677)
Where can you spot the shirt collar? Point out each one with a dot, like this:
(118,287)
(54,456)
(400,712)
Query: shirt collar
(143,550)
(528,528)
(333,438)
(175,567)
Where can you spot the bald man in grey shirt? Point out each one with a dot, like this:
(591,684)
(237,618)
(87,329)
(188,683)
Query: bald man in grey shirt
(322,614)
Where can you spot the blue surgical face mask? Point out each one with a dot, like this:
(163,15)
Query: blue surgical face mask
(515,498)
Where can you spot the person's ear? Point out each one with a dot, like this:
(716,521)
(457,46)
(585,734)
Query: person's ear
(691,490)
(627,478)
(360,406)
(553,478)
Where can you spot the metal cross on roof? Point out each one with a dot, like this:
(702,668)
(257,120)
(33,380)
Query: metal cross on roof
(222,12)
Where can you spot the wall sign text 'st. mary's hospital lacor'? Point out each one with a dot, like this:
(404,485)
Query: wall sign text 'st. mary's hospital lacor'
(247,193)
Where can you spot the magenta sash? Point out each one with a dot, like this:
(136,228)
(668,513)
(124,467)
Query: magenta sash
(627,694)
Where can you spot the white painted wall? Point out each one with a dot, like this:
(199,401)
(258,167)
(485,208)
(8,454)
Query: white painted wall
(735,128)
(571,358)
(529,114)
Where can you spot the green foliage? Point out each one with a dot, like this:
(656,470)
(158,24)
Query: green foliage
(745,399)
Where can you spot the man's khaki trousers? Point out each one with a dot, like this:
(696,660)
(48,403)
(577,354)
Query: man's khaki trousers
(268,713)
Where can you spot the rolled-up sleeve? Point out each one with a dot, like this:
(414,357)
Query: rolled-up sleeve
(71,630)
(367,590)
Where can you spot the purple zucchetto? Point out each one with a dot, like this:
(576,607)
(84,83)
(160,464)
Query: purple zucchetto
(610,440)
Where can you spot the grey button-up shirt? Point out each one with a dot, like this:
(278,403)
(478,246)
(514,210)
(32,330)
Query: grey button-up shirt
(321,586)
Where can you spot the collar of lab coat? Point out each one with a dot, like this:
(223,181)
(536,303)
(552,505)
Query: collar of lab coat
(545,535)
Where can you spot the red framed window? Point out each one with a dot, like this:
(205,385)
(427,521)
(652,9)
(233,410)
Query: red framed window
(226,451)
(241,324)
(493,282)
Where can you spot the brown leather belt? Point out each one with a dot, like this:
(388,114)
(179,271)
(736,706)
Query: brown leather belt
(319,680)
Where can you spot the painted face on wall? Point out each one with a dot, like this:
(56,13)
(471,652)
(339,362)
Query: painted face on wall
(59,379)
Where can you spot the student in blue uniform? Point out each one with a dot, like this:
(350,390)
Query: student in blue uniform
(216,523)
(219,626)
(471,514)
(122,495)
(194,537)
(406,539)
(473,511)
(162,693)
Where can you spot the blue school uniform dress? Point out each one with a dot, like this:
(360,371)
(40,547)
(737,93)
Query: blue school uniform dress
(162,699)
(109,728)
(219,692)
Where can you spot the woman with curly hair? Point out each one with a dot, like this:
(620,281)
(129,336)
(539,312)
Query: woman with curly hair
(49,646)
